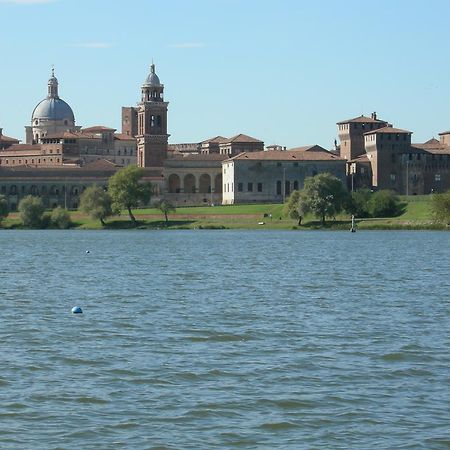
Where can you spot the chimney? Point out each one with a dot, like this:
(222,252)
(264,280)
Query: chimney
(374,115)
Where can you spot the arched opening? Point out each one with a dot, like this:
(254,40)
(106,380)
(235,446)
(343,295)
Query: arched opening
(174,184)
(54,190)
(205,183)
(189,183)
(75,190)
(34,190)
(13,190)
(218,184)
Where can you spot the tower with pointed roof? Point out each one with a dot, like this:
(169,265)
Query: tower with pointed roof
(152,137)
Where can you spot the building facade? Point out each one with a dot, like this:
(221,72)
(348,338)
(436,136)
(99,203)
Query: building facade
(271,176)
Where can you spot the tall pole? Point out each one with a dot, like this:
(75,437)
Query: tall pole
(284,184)
(407,177)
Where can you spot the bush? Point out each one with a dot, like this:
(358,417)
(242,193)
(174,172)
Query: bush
(31,211)
(359,203)
(384,203)
(60,218)
(96,202)
(4,210)
(440,207)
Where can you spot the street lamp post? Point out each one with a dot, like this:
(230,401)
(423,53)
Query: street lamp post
(407,177)
(284,184)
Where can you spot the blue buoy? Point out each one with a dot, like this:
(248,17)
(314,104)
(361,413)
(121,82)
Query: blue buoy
(77,310)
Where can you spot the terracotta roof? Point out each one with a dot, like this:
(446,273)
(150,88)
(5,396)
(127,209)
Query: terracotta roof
(101,164)
(241,138)
(22,148)
(432,141)
(217,139)
(431,148)
(124,137)
(4,138)
(198,157)
(309,153)
(66,135)
(98,129)
(362,119)
(360,159)
(388,130)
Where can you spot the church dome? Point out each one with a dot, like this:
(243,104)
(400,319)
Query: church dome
(152,79)
(53,109)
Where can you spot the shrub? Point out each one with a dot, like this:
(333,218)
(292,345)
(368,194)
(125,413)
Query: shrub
(383,203)
(359,203)
(60,218)
(31,211)
(4,210)
(440,207)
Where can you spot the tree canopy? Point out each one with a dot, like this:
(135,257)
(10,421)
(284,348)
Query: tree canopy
(440,207)
(4,210)
(96,202)
(128,191)
(31,211)
(165,207)
(323,195)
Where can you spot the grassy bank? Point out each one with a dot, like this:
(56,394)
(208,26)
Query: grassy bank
(416,216)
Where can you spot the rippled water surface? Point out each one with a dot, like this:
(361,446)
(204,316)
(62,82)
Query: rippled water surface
(224,339)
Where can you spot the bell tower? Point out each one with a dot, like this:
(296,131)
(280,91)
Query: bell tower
(152,137)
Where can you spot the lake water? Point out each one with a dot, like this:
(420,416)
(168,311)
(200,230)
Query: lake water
(224,339)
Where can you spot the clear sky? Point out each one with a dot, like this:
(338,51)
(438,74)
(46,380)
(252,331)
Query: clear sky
(282,71)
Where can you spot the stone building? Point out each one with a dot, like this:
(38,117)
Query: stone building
(193,179)
(351,134)
(391,161)
(239,144)
(271,176)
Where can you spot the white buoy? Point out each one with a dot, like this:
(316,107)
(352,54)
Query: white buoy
(77,310)
(87,251)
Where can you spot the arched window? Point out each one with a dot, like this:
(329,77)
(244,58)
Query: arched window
(174,183)
(189,183)
(13,190)
(205,183)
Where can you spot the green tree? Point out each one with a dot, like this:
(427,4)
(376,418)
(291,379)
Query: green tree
(60,218)
(295,208)
(384,203)
(31,211)
(165,207)
(128,191)
(440,207)
(324,195)
(95,202)
(359,203)
(4,210)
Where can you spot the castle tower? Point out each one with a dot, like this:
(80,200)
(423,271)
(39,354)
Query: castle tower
(152,134)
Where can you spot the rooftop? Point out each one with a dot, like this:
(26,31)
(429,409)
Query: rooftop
(362,119)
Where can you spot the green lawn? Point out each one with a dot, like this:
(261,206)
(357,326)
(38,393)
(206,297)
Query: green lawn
(416,215)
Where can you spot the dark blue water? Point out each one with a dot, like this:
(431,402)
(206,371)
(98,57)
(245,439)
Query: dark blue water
(224,339)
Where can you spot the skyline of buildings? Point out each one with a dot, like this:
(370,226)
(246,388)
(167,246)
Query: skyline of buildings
(262,64)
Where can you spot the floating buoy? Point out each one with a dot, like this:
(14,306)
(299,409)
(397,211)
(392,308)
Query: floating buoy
(77,310)
(87,251)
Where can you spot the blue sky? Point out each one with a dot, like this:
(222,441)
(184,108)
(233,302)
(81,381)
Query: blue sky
(284,72)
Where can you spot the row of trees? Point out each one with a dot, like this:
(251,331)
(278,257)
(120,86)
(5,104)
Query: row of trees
(125,191)
(325,196)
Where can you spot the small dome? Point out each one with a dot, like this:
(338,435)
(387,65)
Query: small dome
(152,79)
(53,109)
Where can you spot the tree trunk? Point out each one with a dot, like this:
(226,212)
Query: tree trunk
(102,221)
(323,220)
(133,219)
(300,220)
(167,219)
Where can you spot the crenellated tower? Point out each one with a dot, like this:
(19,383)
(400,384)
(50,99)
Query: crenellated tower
(152,137)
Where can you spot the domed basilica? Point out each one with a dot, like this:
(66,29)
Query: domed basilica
(51,115)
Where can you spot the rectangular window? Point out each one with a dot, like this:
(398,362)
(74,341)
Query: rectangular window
(259,187)
(240,187)
(437,177)
(278,187)
(392,176)
(250,187)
